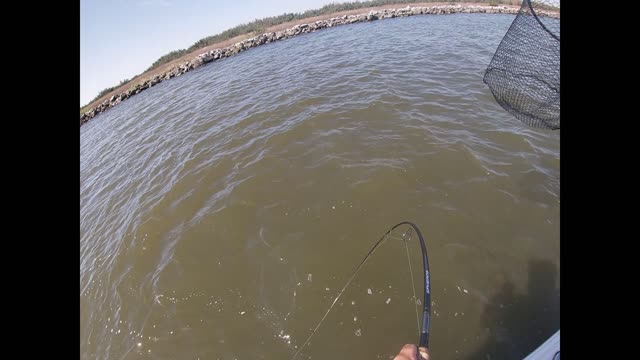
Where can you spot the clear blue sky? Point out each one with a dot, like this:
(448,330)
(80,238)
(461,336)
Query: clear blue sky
(119,39)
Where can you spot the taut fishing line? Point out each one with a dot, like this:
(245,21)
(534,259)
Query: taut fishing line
(423,332)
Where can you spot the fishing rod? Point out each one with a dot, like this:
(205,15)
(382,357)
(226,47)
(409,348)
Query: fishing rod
(423,340)
(426,314)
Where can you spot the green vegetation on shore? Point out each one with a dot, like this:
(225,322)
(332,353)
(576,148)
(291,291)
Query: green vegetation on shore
(108,90)
(260,25)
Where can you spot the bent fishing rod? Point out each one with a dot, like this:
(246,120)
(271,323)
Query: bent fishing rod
(426,314)
(423,340)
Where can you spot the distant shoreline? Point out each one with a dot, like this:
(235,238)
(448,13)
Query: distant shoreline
(283,31)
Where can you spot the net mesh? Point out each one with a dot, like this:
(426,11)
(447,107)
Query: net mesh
(524,73)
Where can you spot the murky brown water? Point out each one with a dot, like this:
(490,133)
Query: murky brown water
(222,211)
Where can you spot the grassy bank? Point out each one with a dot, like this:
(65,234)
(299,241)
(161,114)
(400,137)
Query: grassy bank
(267,24)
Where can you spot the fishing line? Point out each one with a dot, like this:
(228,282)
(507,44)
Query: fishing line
(424,332)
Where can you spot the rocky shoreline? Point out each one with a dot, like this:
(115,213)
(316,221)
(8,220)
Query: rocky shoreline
(266,38)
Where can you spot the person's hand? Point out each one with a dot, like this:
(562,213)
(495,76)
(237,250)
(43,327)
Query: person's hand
(410,352)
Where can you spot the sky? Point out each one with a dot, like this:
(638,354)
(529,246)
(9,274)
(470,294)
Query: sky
(120,39)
